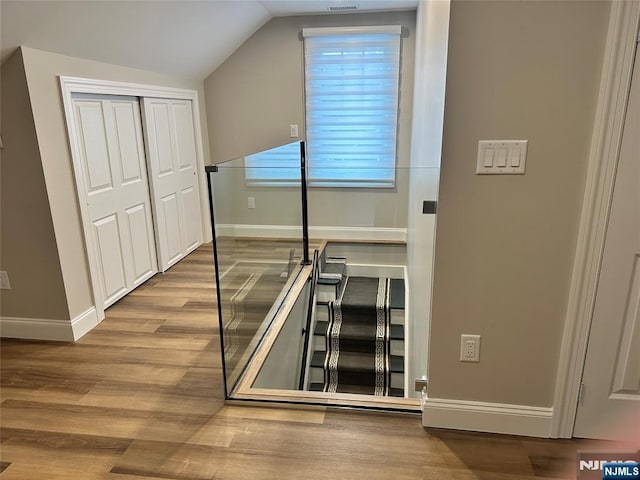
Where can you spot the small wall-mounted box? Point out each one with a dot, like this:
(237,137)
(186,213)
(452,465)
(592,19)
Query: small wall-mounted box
(496,157)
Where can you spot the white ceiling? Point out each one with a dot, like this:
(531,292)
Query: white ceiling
(176,37)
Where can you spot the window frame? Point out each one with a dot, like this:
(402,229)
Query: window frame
(389,181)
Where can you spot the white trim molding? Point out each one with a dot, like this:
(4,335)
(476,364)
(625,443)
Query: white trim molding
(487,417)
(603,158)
(83,323)
(373,234)
(361,30)
(371,270)
(49,329)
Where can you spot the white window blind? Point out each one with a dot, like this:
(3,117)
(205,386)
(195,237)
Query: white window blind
(278,166)
(351,86)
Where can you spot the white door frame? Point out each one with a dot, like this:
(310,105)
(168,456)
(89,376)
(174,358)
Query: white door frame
(606,139)
(71,85)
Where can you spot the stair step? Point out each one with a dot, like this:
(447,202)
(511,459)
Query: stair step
(357,362)
(396,297)
(327,293)
(397,346)
(356,389)
(367,379)
(397,331)
(332,271)
(322,309)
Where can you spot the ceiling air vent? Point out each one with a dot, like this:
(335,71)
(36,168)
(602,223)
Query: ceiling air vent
(343,8)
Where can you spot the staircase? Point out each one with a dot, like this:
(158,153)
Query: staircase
(358,336)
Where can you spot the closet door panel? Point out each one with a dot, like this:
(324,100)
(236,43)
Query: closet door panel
(117,191)
(137,218)
(172,158)
(111,258)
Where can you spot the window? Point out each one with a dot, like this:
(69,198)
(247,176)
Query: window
(351,88)
(278,166)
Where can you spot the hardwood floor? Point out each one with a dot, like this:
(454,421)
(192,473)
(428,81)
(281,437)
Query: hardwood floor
(140,397)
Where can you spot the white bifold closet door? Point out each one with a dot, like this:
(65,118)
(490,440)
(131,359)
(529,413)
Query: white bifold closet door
(117,191)
(170,134)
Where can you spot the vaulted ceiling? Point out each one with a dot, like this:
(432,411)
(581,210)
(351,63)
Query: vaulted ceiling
(184,38)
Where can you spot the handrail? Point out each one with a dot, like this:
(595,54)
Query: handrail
(307,330)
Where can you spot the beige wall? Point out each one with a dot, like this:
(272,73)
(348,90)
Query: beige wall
(42,71)
(28,249)
(258,92)
(505,244)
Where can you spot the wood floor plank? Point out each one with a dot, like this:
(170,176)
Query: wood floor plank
(487,453)
(96,372)
(316,415)
(111,396)
(195,293)
(39,395)
(86,420)
(155,301)
(91,444)
(342,446)
(41,378)
(86,452)
(157,340)
(168,460)
(148,353)
(128,325)
(64,472)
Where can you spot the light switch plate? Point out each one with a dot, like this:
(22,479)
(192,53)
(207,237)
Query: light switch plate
(500,157)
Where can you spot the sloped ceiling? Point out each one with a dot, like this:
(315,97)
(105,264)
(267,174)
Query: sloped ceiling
(184,38)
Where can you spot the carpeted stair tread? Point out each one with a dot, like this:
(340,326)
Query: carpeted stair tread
(356,389)
(397,331)
(397,294)
(358,362)
(359,292)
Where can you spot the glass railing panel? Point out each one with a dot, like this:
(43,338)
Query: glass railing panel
(381,233)
(258,246)
(283,366)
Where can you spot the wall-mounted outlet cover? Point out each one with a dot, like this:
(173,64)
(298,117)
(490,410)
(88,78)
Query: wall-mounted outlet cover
(4,281)
(469,348)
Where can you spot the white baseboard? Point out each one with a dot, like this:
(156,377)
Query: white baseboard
(389,271)
(487,417)
(324,233)
(48,329)
(84,322)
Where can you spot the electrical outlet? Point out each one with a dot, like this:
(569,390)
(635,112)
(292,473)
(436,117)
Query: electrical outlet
(251,202)
(469,348)
(4,281)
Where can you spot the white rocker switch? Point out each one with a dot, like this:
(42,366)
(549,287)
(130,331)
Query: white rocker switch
(499,157)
